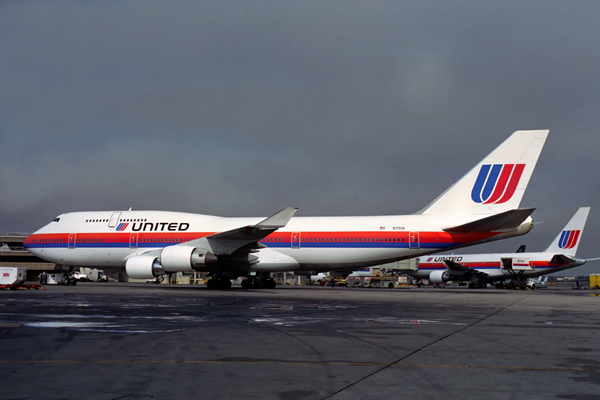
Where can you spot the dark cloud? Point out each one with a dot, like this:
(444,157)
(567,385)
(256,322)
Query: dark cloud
(339,108)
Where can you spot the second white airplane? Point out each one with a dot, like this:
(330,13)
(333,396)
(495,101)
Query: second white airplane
(481,269)
(480,207)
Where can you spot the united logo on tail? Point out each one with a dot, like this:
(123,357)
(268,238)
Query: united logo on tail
(496,183)
(568,239)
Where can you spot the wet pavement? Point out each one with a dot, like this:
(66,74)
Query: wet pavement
(137,341)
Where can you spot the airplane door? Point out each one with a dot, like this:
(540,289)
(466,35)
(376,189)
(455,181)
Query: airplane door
(72,240)
(133,241)
(114,220)
(413,240)
(507,263)
(296,240)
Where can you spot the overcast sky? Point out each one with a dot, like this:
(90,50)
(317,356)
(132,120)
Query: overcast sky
(241,108)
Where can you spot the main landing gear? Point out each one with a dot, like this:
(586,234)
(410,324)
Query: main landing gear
(256,282)
(251,282)
(219,283)
(477,285)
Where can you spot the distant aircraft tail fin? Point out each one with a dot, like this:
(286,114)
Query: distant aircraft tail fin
(568,239)
(497,183)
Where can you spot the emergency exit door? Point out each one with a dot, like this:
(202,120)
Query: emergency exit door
(296,240)
(413,240)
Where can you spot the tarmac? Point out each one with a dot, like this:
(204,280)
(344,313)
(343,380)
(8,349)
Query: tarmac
(147,341)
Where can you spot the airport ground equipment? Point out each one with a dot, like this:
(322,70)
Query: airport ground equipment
(58,278)
(594,281)
(14,278)
(11,278)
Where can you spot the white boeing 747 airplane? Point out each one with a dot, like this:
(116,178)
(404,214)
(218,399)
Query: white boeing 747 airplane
(481,269)
(480,207)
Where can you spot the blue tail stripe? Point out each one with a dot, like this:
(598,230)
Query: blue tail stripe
(491,182)
(481,178)
(564,239)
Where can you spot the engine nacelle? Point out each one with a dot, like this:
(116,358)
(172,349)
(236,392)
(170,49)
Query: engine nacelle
(438,277)
(185,259)
(143,267)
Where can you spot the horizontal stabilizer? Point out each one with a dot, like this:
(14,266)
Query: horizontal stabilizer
(560,259)
(506,220)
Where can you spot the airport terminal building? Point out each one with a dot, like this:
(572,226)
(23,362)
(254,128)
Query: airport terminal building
(14,255)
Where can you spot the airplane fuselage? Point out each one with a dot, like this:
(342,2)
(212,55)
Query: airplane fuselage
(108,239)
(499,266)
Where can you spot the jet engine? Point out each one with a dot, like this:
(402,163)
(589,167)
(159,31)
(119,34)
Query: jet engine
(143,267)
(185,259)
(439,277)
(172,259)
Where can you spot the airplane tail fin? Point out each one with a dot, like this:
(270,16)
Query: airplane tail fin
(498,182)
(568,240)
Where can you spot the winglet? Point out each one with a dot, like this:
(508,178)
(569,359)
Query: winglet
(279,219)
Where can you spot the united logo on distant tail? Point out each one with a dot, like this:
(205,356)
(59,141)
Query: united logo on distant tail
(568,239)
(496,184)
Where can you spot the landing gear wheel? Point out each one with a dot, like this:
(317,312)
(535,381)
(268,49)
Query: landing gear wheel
(224,283)
(211,283)
(257,284)
(246,284)
(270,283)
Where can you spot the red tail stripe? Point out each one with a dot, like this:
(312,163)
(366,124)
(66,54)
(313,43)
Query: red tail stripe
(512,185)
(501,184)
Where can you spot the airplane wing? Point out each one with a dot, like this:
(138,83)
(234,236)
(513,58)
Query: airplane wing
(502,221)
(458,270)
(224,243)
(241,241)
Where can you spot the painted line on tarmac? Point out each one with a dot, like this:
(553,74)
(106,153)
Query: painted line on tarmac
(327,363)
(399,362)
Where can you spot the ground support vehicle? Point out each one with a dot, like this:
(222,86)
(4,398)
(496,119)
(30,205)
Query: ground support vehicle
(594,281)
(58,279)
(14,278)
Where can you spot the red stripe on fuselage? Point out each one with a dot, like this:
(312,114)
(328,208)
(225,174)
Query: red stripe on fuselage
(442,238)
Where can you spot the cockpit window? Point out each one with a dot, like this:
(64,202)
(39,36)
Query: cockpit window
(56,219)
